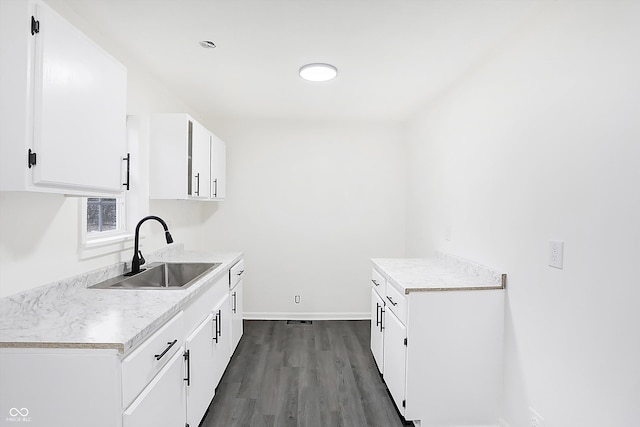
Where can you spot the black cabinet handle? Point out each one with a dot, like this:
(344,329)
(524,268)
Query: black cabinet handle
(391,301)
(375,283)
(170,344)
(215,186)
(215,336)
(187,357)
(128,160)
(219,323)
(198,184)
(240,273)
(234,301)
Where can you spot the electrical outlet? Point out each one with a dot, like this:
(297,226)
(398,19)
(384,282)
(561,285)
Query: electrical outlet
(556,250)
(535,419)
(296,299)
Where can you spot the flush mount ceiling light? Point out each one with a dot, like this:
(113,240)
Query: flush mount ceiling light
(207,44)
(318,72)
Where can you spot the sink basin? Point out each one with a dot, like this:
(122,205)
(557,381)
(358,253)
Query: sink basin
(164,275)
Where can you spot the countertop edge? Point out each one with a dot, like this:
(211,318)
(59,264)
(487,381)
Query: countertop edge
(68,345)
(437,262)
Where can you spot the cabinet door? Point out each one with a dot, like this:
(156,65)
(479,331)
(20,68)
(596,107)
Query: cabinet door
(79,110)
(162,402)
(200,371)
(395,358)
(236,316)
(377,329)
(222,340)
(218,168)
(200,152)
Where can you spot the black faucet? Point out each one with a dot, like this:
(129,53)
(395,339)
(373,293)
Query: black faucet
(138,259)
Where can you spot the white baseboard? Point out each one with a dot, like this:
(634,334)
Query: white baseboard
(306,316)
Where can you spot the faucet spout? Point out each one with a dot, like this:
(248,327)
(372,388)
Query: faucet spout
(138,260)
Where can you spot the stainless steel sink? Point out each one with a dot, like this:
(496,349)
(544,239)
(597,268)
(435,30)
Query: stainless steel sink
(164,275)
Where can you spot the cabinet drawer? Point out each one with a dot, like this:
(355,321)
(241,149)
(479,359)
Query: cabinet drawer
(396,302)
(236,273)
(139,368)
(163,402)
(378,282)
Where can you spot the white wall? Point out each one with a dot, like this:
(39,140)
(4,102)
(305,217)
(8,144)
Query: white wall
(40,233)
(310,203)
(542,142)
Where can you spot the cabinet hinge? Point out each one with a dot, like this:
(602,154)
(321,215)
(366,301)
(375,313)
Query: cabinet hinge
(35,26)
(405,341)
(31,158)
(404,403)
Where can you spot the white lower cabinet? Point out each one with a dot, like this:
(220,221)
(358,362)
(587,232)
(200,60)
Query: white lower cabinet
(236,273)
(377,329)
(222,338)
(163,402)
(169,379)
(199,356)
(395,359)
(236,316)
(440,352)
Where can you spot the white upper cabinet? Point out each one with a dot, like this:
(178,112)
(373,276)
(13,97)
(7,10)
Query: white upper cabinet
(199,161)
(218,168)
(186,160)
(63,106)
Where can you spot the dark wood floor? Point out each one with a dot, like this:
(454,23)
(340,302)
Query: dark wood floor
(302,375)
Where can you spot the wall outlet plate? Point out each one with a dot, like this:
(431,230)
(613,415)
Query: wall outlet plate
(556,254)
(535,419)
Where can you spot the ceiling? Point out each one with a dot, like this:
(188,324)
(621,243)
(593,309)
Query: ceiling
(393,56)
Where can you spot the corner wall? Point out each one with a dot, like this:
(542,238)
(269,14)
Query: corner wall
(309,203)
(542,142)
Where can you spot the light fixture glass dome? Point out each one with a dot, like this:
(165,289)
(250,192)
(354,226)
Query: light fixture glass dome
(318,72)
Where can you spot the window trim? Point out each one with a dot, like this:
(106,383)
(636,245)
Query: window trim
(105,242)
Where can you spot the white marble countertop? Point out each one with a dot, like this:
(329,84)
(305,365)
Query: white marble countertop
(441,273)
(68,315)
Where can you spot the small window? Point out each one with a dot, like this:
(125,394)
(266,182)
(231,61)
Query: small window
(104,221)
(102,215)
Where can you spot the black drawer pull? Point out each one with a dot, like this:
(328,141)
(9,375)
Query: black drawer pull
(187,358)
(391,301)
(215,319)
(159,356)
(240,272)
(234,302)
(375,283)
(128,160)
